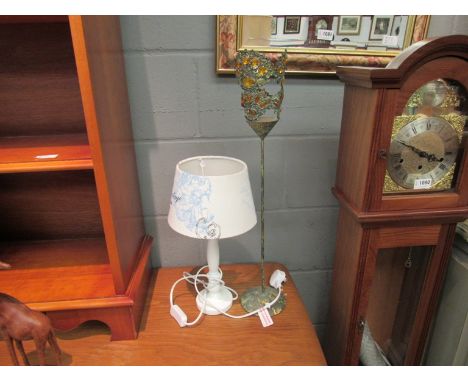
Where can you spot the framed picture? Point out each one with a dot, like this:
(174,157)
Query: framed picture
(233,32)
(381,26)
(349,25)
(396,27)
(274,25)
(292,24)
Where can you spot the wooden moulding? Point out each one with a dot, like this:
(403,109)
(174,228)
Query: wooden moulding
(396,72)
(442,215)
(121,313)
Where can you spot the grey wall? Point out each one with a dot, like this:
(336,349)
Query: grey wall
(181,108)
(444,25)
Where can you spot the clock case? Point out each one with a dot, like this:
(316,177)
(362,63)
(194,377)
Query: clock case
(370,221)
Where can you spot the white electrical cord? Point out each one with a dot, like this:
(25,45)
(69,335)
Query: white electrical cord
(194,280)
(188,277)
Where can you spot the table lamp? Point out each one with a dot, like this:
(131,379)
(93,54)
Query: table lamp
(212,199)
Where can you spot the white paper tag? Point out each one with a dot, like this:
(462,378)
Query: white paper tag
(325,34)
(391,41)
(422,183)
(265,317)
(48,156)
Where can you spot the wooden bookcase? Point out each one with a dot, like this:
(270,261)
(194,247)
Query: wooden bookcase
(71,220)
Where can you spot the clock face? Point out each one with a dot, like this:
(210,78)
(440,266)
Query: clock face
(428,139)
(422,152)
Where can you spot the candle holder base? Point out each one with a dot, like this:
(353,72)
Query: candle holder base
(257,297)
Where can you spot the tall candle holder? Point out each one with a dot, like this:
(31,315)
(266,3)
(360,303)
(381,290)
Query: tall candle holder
(256,72)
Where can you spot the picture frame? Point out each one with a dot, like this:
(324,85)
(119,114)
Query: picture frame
(381,26)
(292,25)
(396,25)
(309,61)
(349,25)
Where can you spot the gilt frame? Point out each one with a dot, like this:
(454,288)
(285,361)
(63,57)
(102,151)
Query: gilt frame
(309,61)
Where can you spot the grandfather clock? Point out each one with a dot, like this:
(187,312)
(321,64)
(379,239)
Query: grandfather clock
(402,185)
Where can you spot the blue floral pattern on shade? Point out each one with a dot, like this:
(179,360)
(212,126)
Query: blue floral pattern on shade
(190,201)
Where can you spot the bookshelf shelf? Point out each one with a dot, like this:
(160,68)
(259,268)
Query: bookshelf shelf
(45,153)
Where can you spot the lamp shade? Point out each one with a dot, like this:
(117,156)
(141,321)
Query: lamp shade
(211,198)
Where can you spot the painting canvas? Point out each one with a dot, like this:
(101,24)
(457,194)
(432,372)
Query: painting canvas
(381,26)
(292,24)
(349,25)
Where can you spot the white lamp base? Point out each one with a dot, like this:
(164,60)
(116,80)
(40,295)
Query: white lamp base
(221,299)
(218,298)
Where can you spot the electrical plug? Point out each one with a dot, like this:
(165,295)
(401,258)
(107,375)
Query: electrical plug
(277,278)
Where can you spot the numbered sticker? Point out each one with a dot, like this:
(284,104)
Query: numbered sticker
(391,41)
(422,183)
(325,34)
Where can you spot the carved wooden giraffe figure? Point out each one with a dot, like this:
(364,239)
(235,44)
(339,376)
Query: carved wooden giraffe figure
(19,323)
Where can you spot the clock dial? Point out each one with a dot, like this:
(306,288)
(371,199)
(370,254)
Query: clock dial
(422,152)
(427,139)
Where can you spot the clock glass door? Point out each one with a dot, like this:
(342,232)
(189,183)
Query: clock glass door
(388,330)
(428,139)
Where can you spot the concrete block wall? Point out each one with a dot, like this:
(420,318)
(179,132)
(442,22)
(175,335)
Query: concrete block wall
(181,108)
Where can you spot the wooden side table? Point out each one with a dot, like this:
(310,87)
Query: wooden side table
(216,340)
